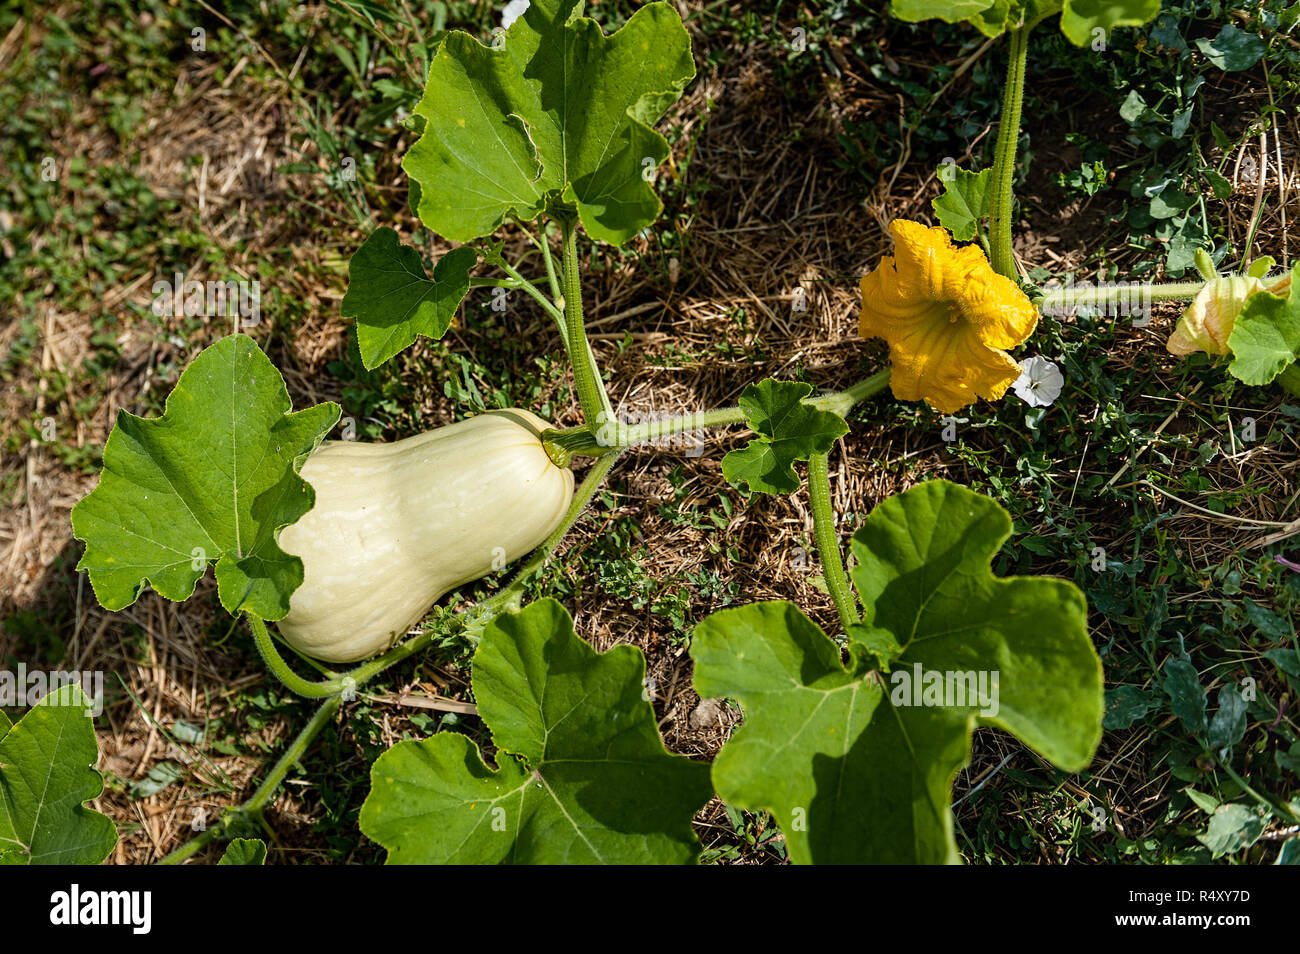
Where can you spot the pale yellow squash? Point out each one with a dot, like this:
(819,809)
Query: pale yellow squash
(395,526)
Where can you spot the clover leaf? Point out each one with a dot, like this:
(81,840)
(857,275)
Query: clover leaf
(556,116)
(582,776)
(211,481)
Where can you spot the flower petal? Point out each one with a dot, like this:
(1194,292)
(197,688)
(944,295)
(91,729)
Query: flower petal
(947,365)
(1209,319)
(946,315)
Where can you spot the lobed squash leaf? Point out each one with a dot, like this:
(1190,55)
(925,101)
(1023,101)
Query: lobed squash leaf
(554,117)
(1080,19)
(857,765)
(582,776)
(1265,338)
(393,299)
(244,851)
(787,428)
(964,202)
(47,773)
(211,481)
(798,754)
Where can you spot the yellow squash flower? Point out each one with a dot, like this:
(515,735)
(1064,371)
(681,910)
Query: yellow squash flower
(948,317)
(1210,318)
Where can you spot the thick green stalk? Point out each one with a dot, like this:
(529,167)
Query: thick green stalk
(591,390)
(1004,161)
(841,402)
(280,669)
(828,542)
(586,441)
(252,808)
(1075,296)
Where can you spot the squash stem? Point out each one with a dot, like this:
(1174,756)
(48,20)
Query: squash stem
(292,681)
(532,291)
(1119,293)
(551,276)
(596,408)
(1004,157)
(585,441)
(828,544)
(253,807)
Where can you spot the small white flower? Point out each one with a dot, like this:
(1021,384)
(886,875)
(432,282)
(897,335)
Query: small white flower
(513,11)
(1040,382)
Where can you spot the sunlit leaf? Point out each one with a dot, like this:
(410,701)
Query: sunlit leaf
(558,117)
(47,775)
(211,481)
(582,776)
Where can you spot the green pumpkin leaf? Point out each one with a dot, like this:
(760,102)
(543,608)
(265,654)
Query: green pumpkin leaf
(1232,828)
(1010,652)
(1265,338)
(211,481)
(788,429)
(964,202)
(244,851)
(799,753)
(393,299)
(949,11)
(47,773)
(557,118)
(1080,19)
(1233,48)
(582,777)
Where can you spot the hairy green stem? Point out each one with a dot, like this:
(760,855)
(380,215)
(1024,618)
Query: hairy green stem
(591,390)
(828,543)
(536,294)
(549,259)
(1004,161)
(516,280)
(587,441)
(296,750)
(253,807)
(841,402)
(1080,295)
(280,669)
